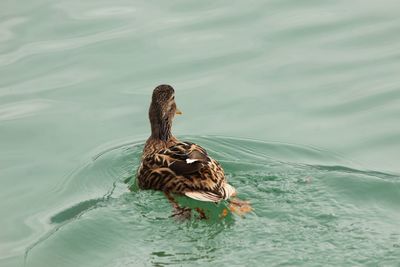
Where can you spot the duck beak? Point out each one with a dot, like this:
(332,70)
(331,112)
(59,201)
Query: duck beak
(178,111)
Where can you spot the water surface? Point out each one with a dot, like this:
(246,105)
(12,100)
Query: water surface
(314,83)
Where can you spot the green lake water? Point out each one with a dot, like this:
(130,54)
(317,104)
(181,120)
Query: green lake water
(298,100)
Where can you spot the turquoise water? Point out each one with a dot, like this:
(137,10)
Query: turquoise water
(299,101)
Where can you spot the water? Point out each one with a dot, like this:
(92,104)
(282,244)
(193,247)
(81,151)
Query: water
(299,101)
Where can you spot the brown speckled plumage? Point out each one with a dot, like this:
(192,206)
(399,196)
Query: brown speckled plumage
(173,166)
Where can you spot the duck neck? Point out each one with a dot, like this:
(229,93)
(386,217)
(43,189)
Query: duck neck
(161,124)
(161,130)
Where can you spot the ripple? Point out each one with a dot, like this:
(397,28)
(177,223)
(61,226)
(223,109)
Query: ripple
(53,46)
(50,81)
(18,110)
(300,206)
(6,32)
(74,11)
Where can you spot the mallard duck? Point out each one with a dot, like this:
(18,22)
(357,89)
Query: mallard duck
(174,166)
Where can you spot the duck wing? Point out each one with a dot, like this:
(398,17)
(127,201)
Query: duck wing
(187,158)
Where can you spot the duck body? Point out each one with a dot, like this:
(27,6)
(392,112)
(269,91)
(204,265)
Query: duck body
(183,168)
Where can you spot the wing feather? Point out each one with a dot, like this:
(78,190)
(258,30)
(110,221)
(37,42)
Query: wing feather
(187,158)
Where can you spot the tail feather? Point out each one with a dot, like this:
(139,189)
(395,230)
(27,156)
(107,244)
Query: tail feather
(229,191)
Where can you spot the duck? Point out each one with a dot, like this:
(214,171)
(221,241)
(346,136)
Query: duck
(179,167)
